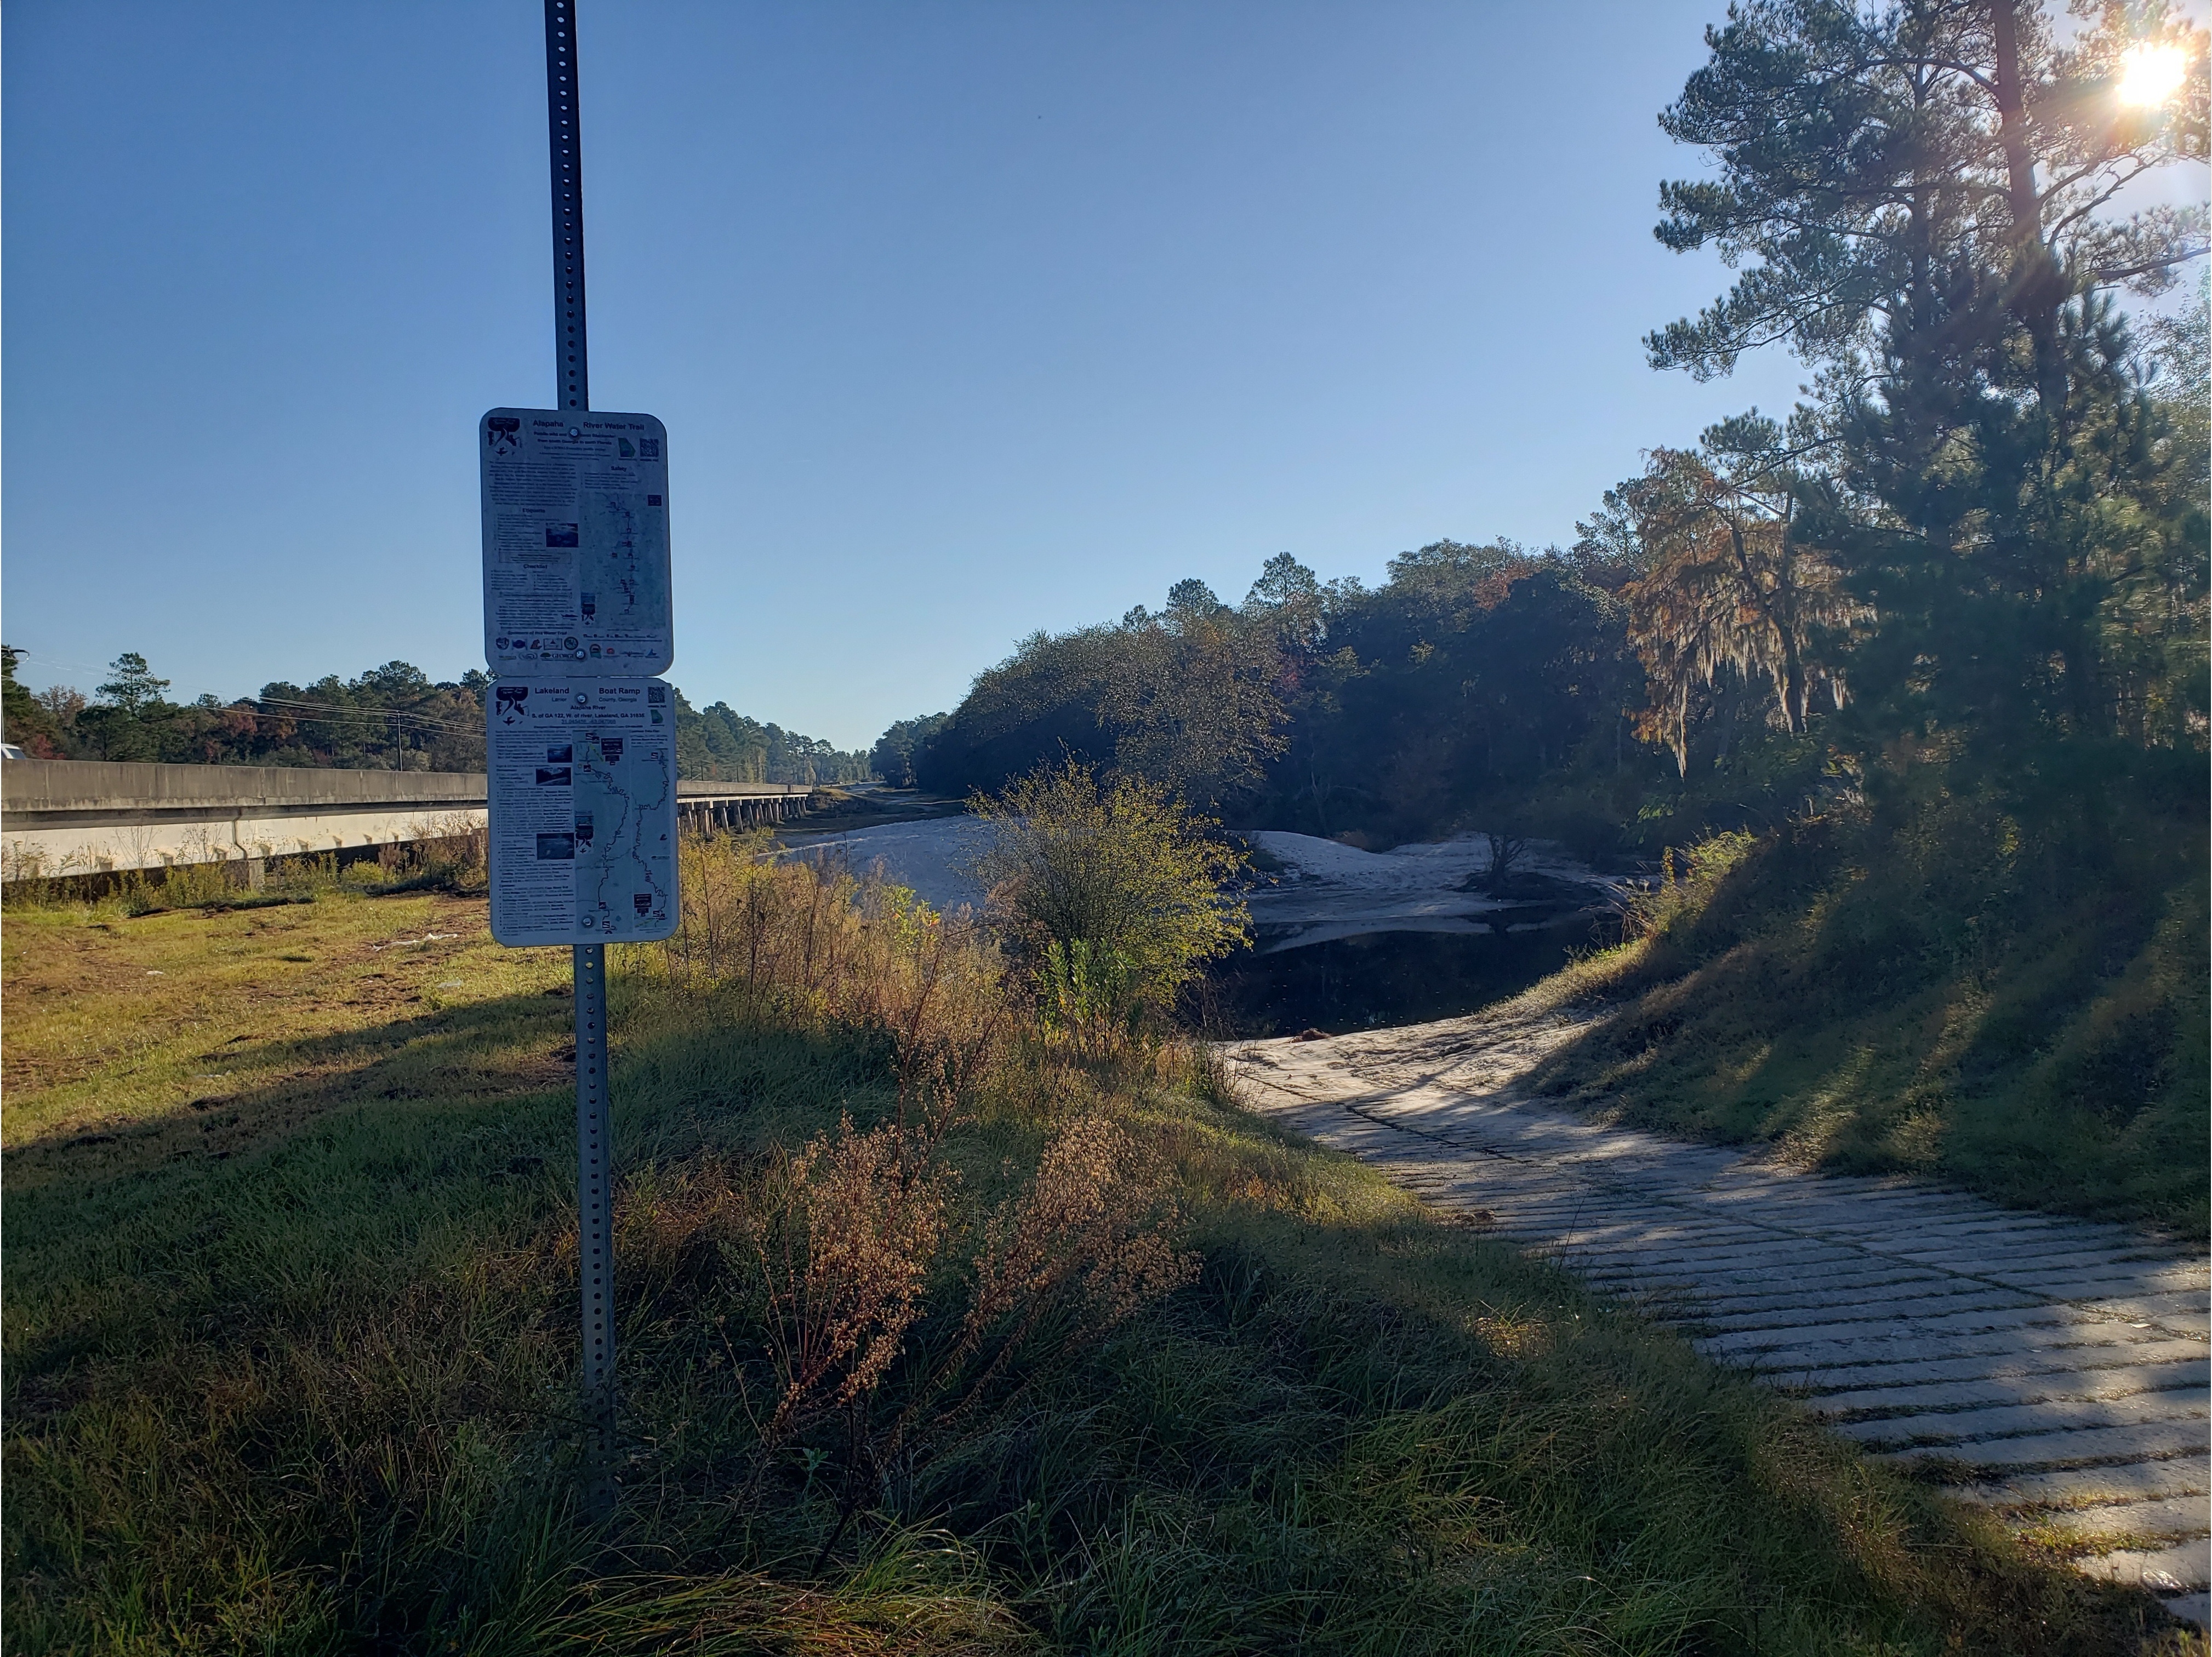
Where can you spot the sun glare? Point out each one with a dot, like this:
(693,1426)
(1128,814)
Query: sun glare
(2152,73)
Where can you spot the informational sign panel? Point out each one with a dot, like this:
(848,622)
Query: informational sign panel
(575,543)
(583,810)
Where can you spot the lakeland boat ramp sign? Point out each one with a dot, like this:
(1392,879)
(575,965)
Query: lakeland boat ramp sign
(582,774)
(575,541)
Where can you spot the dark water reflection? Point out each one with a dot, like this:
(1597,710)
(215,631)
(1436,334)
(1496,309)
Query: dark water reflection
(1383,978)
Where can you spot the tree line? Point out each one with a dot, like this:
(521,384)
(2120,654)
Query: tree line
(1321,706)
(1977,548)
(392,718)
(720,745)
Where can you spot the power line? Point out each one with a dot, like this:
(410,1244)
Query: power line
(355,712)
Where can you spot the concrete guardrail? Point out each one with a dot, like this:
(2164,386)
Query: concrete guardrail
(61,818)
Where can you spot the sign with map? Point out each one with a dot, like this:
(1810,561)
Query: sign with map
(575,543)
(582,775)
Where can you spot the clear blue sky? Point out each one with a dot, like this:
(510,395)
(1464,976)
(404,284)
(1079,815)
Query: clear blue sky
(966,319)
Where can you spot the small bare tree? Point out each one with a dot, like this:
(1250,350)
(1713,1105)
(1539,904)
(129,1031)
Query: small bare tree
(1506,852)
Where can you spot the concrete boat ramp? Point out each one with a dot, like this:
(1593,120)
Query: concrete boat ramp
(2055,1369)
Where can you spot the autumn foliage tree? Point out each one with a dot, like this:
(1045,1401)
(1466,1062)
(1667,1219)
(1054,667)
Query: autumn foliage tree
(1728,588)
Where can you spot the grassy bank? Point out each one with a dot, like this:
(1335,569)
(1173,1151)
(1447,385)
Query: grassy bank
(290,1335)
(2006,997)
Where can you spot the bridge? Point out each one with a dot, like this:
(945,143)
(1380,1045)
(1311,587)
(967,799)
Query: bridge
(60,817)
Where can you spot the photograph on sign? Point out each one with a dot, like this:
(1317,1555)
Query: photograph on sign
(583,811)
(575,541)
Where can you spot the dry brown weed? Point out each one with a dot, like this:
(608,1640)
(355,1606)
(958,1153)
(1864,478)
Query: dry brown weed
(1089,1236)
(853,1225)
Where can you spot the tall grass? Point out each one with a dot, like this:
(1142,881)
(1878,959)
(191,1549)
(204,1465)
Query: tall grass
(1950,986)
(933,1338)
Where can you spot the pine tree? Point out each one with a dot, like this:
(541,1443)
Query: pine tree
(1920,198)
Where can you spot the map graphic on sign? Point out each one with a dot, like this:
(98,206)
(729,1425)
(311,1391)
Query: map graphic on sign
(582,774)
(575,543)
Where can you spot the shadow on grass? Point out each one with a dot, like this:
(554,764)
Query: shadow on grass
(382,1144)
(315,1395)
(463,1052)
(2058,1063)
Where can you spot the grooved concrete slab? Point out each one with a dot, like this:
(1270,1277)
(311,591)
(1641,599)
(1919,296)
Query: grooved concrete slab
(2174,1515)
(2049,1344)
(2062,1492)
(2053,1363)
(1980,1422)
(2051,1388)
(2054,1368)
(2146,1442)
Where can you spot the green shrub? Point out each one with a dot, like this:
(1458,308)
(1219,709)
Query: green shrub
(1115,893)
(1687,882)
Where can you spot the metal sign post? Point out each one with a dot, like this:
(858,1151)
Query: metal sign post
(595,1210)
(580,741)
(579,745)
(564,132)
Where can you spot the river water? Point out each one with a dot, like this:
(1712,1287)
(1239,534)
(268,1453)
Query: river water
(1342,939)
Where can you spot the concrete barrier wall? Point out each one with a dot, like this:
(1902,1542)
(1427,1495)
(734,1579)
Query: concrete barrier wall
(113,787)
(690,790)
(62,818)
(92,848)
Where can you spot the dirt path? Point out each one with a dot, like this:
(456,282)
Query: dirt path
(2057,1368)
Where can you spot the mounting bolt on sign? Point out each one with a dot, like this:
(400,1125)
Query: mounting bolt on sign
(580,735)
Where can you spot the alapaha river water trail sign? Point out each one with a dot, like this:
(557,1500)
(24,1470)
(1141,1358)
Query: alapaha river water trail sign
(583,810)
